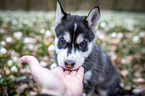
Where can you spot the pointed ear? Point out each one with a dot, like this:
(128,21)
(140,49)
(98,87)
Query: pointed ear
(60,14)
(93,18)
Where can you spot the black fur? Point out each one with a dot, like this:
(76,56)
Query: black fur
(67,24)
(98,62)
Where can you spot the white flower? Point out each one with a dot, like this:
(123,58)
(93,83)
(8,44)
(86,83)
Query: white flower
(51,48)
(54,65)
(100,35)
(14,58)
(124,72)
(29,40)
(84,94)
(130,27)
(53,28)
(42,31)
(25,21)
(32,93)
(120,34)
(136,39)
(103,24)
(112,24)
(14,69)
(114,34)
(9,63)
(3,43)
(7,19)
(9,39)
(2,50)
(123,61)
(18,35)
(42,63)
(1,30)
(14,22)
(142,34)
(136,91)
(31,46)
(48,33)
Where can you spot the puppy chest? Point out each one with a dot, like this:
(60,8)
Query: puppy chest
(87,76)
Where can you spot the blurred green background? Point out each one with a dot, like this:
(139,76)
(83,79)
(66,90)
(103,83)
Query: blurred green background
(24,31)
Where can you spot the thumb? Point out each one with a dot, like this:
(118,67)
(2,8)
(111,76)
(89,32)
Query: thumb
(32,61)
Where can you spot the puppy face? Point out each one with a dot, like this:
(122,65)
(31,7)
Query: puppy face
(74,37)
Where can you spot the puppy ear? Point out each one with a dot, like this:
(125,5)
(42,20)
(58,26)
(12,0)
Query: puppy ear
(93,18)
(60,14)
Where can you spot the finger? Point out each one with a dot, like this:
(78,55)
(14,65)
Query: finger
(73,73)
(32,61)
(59,68)
(67,72)
(80,73)
(29,59)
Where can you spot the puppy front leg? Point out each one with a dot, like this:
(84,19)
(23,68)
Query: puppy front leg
(89,86)
(89,89)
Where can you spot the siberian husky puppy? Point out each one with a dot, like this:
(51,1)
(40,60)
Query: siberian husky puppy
(75,46)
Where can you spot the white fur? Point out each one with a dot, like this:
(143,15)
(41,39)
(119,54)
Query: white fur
(87,76)
(80,38)
(86,54)
(93,19)
(78,57)
(62,54)
(59,14)
(102,92)
(75,26)
(67,37)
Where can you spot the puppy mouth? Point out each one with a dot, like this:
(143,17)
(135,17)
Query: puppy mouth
(70,69)
(69,66)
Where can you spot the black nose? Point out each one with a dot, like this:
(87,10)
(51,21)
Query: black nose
(69,64)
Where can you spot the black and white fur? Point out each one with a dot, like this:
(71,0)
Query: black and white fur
(75,42)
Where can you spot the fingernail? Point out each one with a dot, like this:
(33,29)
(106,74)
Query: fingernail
(81,68)
(23,59)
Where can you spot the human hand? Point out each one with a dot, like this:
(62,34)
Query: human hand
(56,81)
